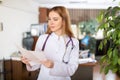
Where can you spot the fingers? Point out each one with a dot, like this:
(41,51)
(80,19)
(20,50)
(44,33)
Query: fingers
(24,60)
(47,63)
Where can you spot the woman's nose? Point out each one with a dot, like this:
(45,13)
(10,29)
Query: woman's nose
(51,22)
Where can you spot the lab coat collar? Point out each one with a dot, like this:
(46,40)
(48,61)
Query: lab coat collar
(56,36)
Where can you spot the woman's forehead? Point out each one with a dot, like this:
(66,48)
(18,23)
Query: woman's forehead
(53,14)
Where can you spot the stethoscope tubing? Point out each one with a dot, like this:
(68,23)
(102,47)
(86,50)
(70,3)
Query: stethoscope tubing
(70,40)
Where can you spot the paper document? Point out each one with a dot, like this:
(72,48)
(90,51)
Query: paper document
(35,56)
(84,53)
(86,60)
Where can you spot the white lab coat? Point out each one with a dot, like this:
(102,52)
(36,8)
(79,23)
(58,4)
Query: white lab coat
(54,50)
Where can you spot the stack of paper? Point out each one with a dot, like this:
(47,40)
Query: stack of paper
(33,56)
(86,60)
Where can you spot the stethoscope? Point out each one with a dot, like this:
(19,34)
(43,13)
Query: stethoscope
(67,44)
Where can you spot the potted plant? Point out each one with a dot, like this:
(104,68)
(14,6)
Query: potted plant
(89,28)
(110,24)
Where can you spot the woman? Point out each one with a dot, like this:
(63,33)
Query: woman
(59,46)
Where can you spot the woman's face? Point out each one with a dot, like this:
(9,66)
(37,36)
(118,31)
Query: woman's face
(55,22)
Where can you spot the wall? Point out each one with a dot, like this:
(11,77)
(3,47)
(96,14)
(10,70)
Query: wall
(16,16)
(80,15)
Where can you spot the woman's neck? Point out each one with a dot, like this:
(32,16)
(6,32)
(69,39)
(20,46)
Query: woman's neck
(59,33)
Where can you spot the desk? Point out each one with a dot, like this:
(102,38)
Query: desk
(16,70)
(84,72)
(6,69)
(19,72)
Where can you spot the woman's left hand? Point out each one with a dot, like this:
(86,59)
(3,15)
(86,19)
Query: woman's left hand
(47,63)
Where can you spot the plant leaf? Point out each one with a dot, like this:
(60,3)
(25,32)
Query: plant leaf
(106,70)
(119,61)
(114,70)
(100,46)
(100,17)
(112,23)
(109,53)
(103,59)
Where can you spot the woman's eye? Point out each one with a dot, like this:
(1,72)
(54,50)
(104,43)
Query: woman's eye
(55,19)
(49,19)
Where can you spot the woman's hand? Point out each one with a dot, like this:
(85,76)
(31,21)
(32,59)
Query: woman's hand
(25,60)
(47,63)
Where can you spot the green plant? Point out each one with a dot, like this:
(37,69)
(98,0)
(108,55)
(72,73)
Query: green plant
(89,28)
(110,24)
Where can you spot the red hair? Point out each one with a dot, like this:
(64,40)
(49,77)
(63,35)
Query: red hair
(63,12)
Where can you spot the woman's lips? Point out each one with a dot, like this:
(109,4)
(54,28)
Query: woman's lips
(52,26)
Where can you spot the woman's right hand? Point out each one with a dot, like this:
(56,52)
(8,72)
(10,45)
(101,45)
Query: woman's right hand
(25,60)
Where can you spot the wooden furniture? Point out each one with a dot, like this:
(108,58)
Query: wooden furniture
(5,69)
(84,72)
(8,69)
(76,15)
(43,15)
(35,38)
(20,72)
(1,70)
(16,70)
